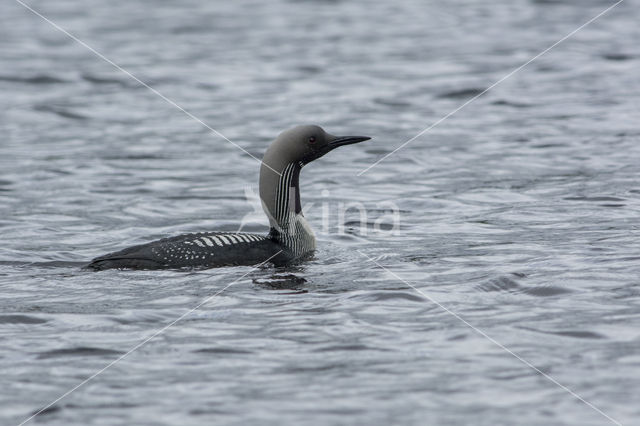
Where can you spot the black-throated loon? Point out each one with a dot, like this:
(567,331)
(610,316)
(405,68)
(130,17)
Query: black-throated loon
(290,237)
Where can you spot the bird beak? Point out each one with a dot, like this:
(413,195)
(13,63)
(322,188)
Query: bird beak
(346,140)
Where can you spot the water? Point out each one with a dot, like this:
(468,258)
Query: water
(519,213)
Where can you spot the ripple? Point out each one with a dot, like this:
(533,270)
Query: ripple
(313,368)
(594,199)
(346,348)
(282,282)
(510,285)
(462,93)
(546,291)
(389,295)
(396,103)
(48,410)
(512,104)
(111,156)
(20,319)
(35,79)
(310,69)
(95,79)
(61,111)
(617,57)
(503,283)
(578,334)
(139,316)
(81,351)
(222,351)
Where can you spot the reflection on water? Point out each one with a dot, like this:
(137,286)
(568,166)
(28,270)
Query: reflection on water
(519,212)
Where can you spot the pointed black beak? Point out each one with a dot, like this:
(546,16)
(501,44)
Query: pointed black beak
(346,140)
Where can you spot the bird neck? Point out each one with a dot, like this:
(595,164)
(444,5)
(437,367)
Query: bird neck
(280,197)
(282,201)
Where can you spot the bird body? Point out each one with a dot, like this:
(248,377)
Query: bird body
(290,237)
(204,249)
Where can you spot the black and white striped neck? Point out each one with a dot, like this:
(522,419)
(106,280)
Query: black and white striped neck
(288,225)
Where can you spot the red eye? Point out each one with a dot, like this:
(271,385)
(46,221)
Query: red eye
(312,140)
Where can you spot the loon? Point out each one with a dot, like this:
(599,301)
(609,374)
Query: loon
(290,237)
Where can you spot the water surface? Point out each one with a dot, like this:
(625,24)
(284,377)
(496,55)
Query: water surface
(519,213)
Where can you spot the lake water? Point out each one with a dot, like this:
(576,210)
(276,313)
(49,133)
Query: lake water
(519,214)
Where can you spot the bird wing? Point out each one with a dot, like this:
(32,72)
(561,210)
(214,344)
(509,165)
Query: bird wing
(208,249)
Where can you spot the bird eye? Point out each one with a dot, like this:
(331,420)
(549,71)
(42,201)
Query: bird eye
(312,140)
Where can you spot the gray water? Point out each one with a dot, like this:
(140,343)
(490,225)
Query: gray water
(519,213)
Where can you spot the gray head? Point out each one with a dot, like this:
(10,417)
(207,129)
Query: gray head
(304,144)
(283,160)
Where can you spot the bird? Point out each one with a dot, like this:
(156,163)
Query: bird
(290,238)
